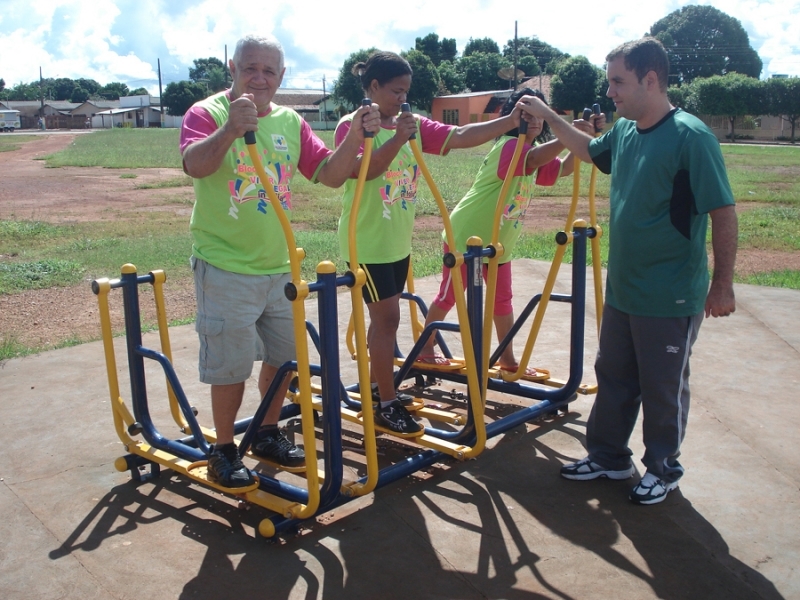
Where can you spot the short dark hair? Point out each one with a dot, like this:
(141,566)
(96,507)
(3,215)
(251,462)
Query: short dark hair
(643,56)
(508,108)
(381,66)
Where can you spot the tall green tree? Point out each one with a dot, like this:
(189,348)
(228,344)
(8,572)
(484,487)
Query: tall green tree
(424,81)
(2,84)
(528,47)
(90,85)
(139,92)
(180,95)
(575,85)
(451,79)
(23,91)
(482,45)
(61,88)
(480,71)
(436,50)
(703,41)
(201,72)
(79,95)
(217,79)
(783,99)
(347,90)
(114,90)
(731,95)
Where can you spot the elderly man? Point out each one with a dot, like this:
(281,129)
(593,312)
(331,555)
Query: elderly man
(667,177)
(239,256)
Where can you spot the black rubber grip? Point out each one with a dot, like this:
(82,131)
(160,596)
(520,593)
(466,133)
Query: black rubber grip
(523,126)
(250,138)
(367,102)
(587,113)
(596,110)
(406,107)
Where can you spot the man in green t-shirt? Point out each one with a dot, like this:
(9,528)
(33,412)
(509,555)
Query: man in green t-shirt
(239,254)
(667,177)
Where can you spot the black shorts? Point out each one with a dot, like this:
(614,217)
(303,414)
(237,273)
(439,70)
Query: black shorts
(385,280)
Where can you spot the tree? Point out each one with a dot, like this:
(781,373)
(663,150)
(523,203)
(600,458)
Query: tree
(435,50)
(528,47)
(217,79)
(731,95)
(347,90)
(2,84)
(575,85)
(180,95)
(79,95)
(61,88)
(113,91)
(451,80)
(703,41)
(90,85)
(529,65)
(783,99)
(203,66)
(425,80)
(480,71)
(139,92)
(23,91)
(482,45)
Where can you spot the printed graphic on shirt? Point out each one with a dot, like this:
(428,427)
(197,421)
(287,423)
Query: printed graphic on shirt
(247,185)
(515,210)
(401,186)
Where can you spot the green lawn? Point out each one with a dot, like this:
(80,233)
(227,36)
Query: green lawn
(765,180)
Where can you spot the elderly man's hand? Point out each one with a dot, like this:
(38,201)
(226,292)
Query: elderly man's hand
(242,116)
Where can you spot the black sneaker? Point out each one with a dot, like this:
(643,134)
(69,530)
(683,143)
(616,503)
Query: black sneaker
(585,469)
(276,447)
(396,417)
(226,468)
(405,399)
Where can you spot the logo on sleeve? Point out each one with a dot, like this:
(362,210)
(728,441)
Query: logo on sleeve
(673,349)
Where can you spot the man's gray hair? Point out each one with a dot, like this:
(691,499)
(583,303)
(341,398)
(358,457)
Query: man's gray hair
(268,42)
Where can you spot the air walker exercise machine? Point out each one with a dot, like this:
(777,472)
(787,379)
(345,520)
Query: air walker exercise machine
(318,395)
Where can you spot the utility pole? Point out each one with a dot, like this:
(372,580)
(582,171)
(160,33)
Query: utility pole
(225,68)
(41,98)
(324,104)
(160,95)
(515,56)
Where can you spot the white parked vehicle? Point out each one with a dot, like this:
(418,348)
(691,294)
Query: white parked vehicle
(9,120)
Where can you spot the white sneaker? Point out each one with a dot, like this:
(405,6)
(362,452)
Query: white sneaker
(585,469)
(651,490)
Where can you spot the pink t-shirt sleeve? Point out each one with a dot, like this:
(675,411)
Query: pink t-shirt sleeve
(507,153)
(435,136)
(548,174)
(313,152)
(197,125)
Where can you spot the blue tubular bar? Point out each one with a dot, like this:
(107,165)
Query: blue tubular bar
(331,389)
(186,409)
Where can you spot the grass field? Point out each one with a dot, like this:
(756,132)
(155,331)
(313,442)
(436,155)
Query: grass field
(39,255)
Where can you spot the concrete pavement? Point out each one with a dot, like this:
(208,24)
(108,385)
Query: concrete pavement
(502,526)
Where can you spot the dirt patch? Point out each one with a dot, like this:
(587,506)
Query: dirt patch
(30,191)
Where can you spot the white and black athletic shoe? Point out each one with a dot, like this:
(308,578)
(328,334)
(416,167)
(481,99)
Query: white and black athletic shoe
(397,418)
(585,469)
(651,490)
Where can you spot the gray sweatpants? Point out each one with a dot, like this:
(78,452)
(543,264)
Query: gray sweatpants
(642,361)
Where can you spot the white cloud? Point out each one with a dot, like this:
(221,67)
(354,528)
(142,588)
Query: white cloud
(121,40)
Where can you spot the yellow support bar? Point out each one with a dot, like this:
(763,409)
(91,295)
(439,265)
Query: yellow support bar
(301,340)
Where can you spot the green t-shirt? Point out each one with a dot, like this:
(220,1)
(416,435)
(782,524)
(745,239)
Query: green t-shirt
(233,224)
(386,212)
(474,214)
(664,181)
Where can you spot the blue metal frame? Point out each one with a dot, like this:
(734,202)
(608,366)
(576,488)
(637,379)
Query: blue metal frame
(194,447)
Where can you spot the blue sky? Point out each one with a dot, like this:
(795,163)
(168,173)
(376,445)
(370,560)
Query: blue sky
(121,40)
